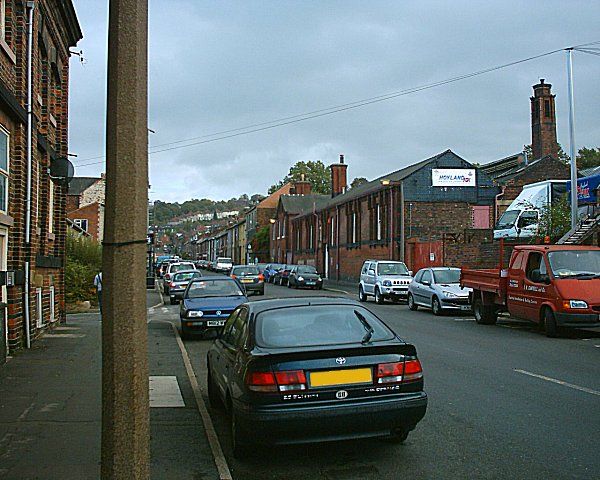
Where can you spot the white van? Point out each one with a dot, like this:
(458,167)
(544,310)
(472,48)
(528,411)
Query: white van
(521,219)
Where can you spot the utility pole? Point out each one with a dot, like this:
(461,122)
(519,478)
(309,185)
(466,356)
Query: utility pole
(572,139)
(125,405)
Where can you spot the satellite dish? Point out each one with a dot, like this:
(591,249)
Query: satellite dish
(61,171)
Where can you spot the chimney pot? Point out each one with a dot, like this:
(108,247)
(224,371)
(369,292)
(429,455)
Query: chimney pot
(341,158)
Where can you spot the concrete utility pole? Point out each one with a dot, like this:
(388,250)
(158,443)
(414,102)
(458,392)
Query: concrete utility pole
(125,406)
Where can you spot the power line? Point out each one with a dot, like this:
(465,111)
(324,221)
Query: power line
(331,110)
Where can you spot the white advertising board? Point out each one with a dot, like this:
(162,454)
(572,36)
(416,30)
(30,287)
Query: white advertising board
(453,177)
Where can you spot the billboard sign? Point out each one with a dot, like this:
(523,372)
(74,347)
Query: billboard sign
(453,177)
(587,189)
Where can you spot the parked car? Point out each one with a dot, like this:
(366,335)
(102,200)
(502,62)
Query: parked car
(305,276)
(270,270)
(438,288)
(207,304)
(223,264)
(261,267)
(250,277)
(384,279)
(297,370)
(555,286)
(172,268)
(281,276)
(179,282)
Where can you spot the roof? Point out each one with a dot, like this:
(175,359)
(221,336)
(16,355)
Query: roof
(297,204)
(500,167)
(588,172)
(78,185)
(376,185)
(271,200)
(520,168)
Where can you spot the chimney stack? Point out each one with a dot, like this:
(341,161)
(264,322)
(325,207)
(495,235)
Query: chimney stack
(302,187)
(339,181)
(543,122)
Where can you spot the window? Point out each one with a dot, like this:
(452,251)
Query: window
(310,237)
(4,169)
(353,227)
(298,237)
(547,109)
(283,232)
(426,277)
(534,262)
(528,218)
(3,19)
(81,223)
(419,276)
(332,238)
(365,268)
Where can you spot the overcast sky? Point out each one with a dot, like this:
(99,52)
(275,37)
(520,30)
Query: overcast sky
(217,66)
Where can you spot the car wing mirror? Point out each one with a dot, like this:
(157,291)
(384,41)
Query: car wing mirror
(426,282)
(410,272)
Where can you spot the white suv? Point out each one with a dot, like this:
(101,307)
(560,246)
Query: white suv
(384,279)
(223,264)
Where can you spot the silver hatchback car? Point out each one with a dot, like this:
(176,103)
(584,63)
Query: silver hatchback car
(438,288)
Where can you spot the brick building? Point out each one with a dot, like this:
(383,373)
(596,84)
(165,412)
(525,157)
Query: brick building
(413,214)
(259,217)
(85,204)
(33,138)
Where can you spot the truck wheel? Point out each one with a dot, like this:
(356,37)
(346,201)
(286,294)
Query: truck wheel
(436,307)
(378,297)
(484,314)
(550,326)
(361,294)
(411,303)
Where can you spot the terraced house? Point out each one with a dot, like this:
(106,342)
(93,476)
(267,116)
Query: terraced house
(35,37)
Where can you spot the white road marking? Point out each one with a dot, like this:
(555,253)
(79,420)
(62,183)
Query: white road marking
(65,335)
(464,319)
(559,382)
(60,329)
(165,392)
(211,434)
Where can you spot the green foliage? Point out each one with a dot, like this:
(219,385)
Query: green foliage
(315,172)
(562,155)
(260,242)
(588,157)
(84,261)
(358,181)
(555,220)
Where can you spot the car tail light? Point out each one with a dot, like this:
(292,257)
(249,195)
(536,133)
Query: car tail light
(389,372)
(291,380)
(261,277)
(412,370)
(278,381)
(233,276)
(167,276)
(173,285)
(407,371)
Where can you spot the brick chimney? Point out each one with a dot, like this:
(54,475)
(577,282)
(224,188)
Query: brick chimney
(543,122)
(338,177)
(302,187)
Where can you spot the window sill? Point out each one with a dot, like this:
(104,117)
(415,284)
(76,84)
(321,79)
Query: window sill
(8,51)
(51,237)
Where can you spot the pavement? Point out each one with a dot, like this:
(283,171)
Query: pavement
(50,406)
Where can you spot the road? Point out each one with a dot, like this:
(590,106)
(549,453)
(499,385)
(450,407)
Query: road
(504,402)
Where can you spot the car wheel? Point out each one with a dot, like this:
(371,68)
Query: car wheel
(550,326)
(399,435)
(173,301)
(378,297)
(411,303)
(484,314)
(213,394)
(238,440)
(361,294)
(436,307)
(289,285)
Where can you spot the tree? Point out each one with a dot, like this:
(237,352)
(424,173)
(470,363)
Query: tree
(588,157)
(358,181)
(315,172)
(554,220)
(562,155)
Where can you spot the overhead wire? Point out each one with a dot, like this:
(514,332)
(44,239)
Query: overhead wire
(226,134)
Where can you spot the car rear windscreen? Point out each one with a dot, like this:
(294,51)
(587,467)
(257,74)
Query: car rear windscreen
(314,325)
(226,287)
(183,266)
(242,271)
(186,276)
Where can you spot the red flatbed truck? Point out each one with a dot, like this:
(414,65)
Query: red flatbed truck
(552,285)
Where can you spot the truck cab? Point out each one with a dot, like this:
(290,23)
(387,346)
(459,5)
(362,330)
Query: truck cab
(556,286)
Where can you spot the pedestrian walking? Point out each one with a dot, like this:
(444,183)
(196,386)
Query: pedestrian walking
(98,285)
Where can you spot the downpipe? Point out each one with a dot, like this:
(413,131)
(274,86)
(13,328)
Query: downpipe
(30,8)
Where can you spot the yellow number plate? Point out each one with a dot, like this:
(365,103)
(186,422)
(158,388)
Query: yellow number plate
(340,377)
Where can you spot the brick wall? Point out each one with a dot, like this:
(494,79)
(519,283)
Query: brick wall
(50,65)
